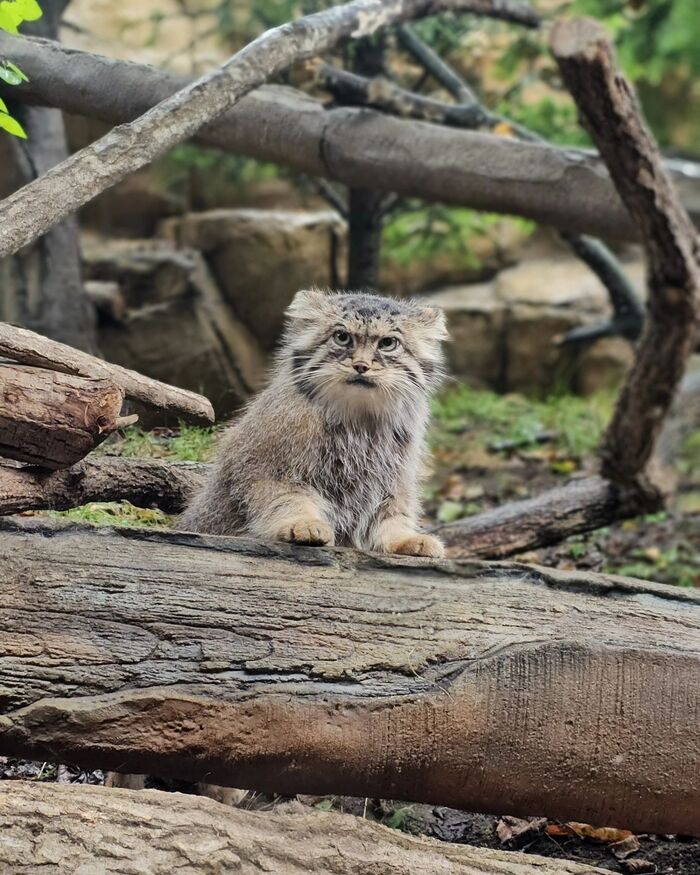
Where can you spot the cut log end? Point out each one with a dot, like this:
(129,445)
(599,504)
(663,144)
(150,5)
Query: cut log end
(572,37)
(53,420)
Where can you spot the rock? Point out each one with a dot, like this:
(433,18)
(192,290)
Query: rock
(176,326)
(504,333)
(476,320)
(604,364)
(261,258)
(132,208)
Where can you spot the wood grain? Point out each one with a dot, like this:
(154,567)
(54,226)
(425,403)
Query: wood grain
(54,420)
(492,687)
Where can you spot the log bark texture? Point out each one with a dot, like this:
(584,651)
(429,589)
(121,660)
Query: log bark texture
(579,506)
(29,348)
(611,114)
(489,687)
(54,420)
(30,212)
(49,829)
(564,188)
(143,482)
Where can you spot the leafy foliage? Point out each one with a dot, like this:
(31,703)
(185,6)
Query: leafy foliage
(12,14)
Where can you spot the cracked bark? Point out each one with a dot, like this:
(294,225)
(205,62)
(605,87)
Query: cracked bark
(628,487)
(38,206)
(564,188)
(610,113)
(64,830)
(486,687)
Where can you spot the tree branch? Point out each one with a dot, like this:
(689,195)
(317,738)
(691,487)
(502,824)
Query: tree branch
(568,189)
(610,113)
(30,212)
(143,482)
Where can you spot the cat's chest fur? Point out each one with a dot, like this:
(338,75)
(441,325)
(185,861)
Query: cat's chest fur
(356,472)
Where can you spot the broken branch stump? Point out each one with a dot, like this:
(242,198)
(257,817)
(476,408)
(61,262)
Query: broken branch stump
(483,686)
(64,830)
(54,420)
(28,348)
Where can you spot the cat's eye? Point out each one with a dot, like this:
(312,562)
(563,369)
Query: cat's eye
(388,344)
(342,338)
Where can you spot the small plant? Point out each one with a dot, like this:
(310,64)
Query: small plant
(13,13)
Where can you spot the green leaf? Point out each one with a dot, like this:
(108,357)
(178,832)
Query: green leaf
(7,19)
(449,511)
(12,126)
(3,106)
(28,9)
(11,73)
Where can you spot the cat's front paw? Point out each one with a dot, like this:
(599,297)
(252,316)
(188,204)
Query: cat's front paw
(312,532)
(419,545)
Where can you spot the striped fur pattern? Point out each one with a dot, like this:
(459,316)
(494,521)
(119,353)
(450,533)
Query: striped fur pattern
(332,450)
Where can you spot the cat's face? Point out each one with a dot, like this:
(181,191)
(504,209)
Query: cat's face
(363,354)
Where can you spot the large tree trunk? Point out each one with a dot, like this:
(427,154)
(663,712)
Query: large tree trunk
(487,687)
(48,828)
(563,188)
(41,287)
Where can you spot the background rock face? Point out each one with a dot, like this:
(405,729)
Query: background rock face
(261,258)
(202,306)
(161,313)
(505,332)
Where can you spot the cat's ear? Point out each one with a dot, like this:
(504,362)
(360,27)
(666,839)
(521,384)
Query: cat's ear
(432,321)
(308,304)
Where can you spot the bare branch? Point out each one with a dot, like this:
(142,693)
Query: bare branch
(611,115)
(568,188)
(25,215)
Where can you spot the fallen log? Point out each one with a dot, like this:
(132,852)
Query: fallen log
(576,507)
(566,188)
(29,348)
(49,827)
(54,420)
(143,482)
(489,687)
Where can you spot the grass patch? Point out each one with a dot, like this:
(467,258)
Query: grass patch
(115,513)
(577,422)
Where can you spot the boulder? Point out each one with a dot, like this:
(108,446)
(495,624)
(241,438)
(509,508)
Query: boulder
(174,324)
(261,258)
(505,332)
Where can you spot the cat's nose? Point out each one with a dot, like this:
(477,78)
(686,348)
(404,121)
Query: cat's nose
(360,367)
